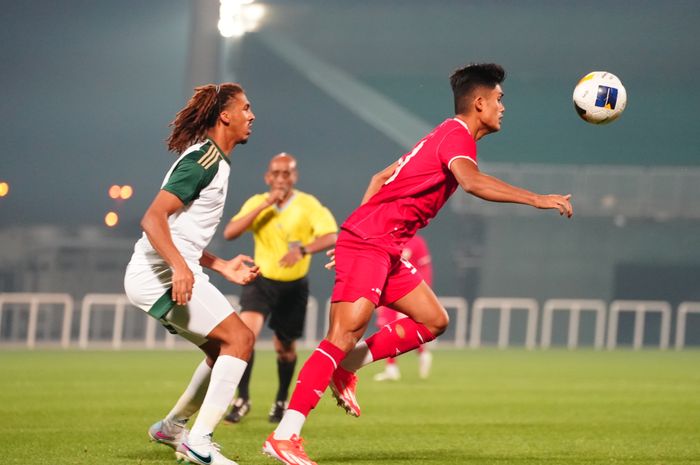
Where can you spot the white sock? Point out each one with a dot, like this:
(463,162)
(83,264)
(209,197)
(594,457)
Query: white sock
(291,424)
(190,400)
(358,357)
(225,376)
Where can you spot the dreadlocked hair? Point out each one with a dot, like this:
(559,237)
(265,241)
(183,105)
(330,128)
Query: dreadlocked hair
(200,114)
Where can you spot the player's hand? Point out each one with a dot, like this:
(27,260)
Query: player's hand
(291,257)
(183,282)
(275,196)
(556,202)
(240,270)
(331,259)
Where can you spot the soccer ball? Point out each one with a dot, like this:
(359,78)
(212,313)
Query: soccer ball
(600,97)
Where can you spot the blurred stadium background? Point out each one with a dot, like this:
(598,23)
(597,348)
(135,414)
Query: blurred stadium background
(347,87)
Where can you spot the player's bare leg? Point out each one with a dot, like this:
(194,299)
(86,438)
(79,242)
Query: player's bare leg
(424,311)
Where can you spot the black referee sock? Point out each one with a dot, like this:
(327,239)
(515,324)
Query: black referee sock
(245,379)
(285,371)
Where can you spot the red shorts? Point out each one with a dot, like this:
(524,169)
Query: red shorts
(371,268)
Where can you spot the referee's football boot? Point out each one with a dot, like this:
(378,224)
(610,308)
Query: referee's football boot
(168,433)
(239,409)
(277,411)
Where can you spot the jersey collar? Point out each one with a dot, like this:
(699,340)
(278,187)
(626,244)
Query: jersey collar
(287,203)
(218,149)
(463,124)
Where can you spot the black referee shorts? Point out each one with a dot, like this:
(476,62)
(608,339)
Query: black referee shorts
(283,301)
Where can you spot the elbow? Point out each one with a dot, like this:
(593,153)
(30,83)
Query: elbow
(472,188)
(146,223)
(231,234)
(330,240)
(379,179)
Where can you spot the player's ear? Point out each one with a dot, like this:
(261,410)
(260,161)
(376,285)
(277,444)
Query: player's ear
(225,118)
(479,102)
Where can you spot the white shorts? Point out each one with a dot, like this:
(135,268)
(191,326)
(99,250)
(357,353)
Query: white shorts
(149,288)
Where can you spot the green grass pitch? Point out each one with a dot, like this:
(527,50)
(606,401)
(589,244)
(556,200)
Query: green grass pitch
(478,407)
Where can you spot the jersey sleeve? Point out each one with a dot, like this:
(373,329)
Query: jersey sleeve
(457,144)
(188,179)
(322,220)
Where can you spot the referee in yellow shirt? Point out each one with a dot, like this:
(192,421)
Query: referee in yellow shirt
(288,226)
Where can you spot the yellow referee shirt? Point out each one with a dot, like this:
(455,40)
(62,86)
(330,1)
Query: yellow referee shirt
(275,230)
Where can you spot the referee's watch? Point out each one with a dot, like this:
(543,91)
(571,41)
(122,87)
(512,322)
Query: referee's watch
(303,251)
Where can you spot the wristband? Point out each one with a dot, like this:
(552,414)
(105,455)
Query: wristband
(303,251)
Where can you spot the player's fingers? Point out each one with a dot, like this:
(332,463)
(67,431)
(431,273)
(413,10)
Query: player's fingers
(179,297)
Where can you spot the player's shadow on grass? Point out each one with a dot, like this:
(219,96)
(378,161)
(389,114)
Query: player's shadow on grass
(433,455)
(155,455)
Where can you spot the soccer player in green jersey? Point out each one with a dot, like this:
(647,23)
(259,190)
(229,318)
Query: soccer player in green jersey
(165,277)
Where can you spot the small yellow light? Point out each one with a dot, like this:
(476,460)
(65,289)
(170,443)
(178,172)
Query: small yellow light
(126,192)
(114,192)
(111,219)
(4,188)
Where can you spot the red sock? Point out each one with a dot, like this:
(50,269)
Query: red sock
(398,337)
(315,376)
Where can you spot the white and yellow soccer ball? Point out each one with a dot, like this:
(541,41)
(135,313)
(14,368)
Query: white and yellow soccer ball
(600,97)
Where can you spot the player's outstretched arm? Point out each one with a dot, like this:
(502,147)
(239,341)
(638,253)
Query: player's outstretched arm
(493,189)
(240,269)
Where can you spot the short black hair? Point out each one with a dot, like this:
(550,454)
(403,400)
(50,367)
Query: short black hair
(464,80)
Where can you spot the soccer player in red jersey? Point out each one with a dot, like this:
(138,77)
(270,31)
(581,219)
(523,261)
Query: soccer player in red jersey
(399,200)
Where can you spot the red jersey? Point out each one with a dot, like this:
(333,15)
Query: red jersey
(419,187)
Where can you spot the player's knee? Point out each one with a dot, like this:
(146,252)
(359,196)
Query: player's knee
(287,356)
(238,343)
(286,353)
(344,340)
(246,338)
(439,324)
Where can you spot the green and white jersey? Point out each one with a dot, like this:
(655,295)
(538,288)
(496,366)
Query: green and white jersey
(199,178)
